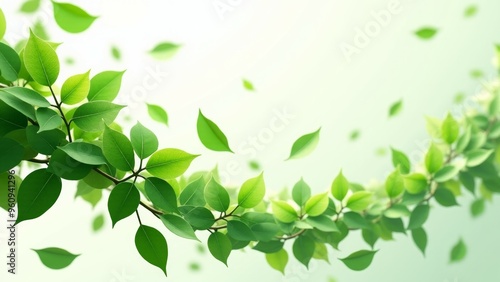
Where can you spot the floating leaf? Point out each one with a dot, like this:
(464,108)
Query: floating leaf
(219,246)
(98,222)
(169,163)
(426,33)
(470,11)
(55,258)
(458,251)
(304,145)
(115,52)
(30,6)
(354,135)
(210,135)
(152,246)
(164,50)
(158,114)
(11,154)
(359,260)
(248,85)
(477,207)
(71,18)
(41,60)
(395,108)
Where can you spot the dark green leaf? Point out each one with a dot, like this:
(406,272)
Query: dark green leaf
(10,119)
(323,223)
(199,217)
(45,142)
(359,260)
(445,197)
(219,246)
(144,141)
(55,258)
(11,154)
(269,247)
(64,166)
(303,249)
(178,226)
(355,221)
(92,116)
(239,231)
(152,246)
(458,251)
(418,217)
(194,193)
(420,238)
(265,231)
(47,119)
(161,194)
(123,201)
(10,63)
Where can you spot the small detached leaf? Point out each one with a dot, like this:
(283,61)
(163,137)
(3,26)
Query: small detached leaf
(219,246)
(210,135)
(477,207)
(304,145)
(395,108)
(30,6)
(71,18)
(152,246)
(164,50)
(458,252)
(426,33)
(470,11)
(477,157)
(55,258)
(115,52)
(157,113)
(359,260)
(248,85)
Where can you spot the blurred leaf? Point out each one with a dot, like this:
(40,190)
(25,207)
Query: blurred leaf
(359,260)
(458,252)
(450,129)
(55,258)
(476,74)
(395,108)
(98,223)
(400,159)
(115,52)
(248,85)
(278,260)
(219,246)
(433,159)
(470,11)
(72,18)
(426,33)
(164,51)
(157,113)
(3,24)
(477,207)
(420,238)
(30,6)
(354,135)
(418,216)
(303,249)
(301,192)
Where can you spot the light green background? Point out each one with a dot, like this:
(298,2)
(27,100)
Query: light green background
(291,51)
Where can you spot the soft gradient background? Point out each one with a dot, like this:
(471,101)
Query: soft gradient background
(291,51)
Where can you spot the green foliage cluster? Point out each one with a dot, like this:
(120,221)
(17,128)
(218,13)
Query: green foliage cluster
(70,135)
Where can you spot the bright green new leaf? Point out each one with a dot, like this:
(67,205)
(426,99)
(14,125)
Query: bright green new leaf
(115,52)
(426,33)
(152,246)
(55,258)
(3,24)
(216,196)
(48,119)
(30,6)
(85,153)
(304,145)
(164,50)
(458,251)
(157,113)
(248,85)
(240,231)
(105,86)
(303,249)
(340,186)
(11,154)
(169,163)
(219,246)
(321,252)
(470,11)
(210,135)
(316,205)
(359,201)
(72,18)
(98,222)
(75,89)
(194,193)
(477,156)
(278,260)
(178,226)
(450,129)
(446,173)
(41,60)
(92,116)
(418,217)
(123,201)
(400,159)
(161,194)
(395,108)
(252,192)
(118,150)
(10,63)
(359,260)
(394,185)
(420,238)
(301,192)
(37,194)
(144,141)
(284,212)
(433,159)
(415,183)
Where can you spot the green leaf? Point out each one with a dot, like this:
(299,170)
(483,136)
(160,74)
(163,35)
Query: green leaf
(470,11)
(152,246)
(11,154)
(392,225)
(64,166)
(418,217)
(445,197)
(161,194)
(395,108)
(37,194)
(304,145)
(178,226)
(72,18)
(269,247)
(219,246)
(477,207)
(426,33)
(354,135)
(252,192)
(118,150)
(75,89)
(216,196)
(44,142)
(316,205)
(41,61)
(463,140)
(93,198)
(450,129)
(265,232)
(105,86)
(359,201)
(30,6)
(248,85)
(210,135)
(321,252)
(355,220)
(477,157)
(303,249)
(169,163)
(394,185)
(301,192)
(123,201)
(468,181)
(92,116)
(401,160)
(199,217)
(340,186)
(164,50)
(85,153)
(48,119)
(446,173)
(157,113)
(10,63)
(458,251)
(10,119)
(3,24)
(284,212)
(115,52)
(144,141)
(323,223)
(55,258)
(194,193)
(397,211)
(26,95)
(420,238)
(359,260)
(98,223)
(415,183)
(433,159)
(278,260)
(239,231)
(370,237)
